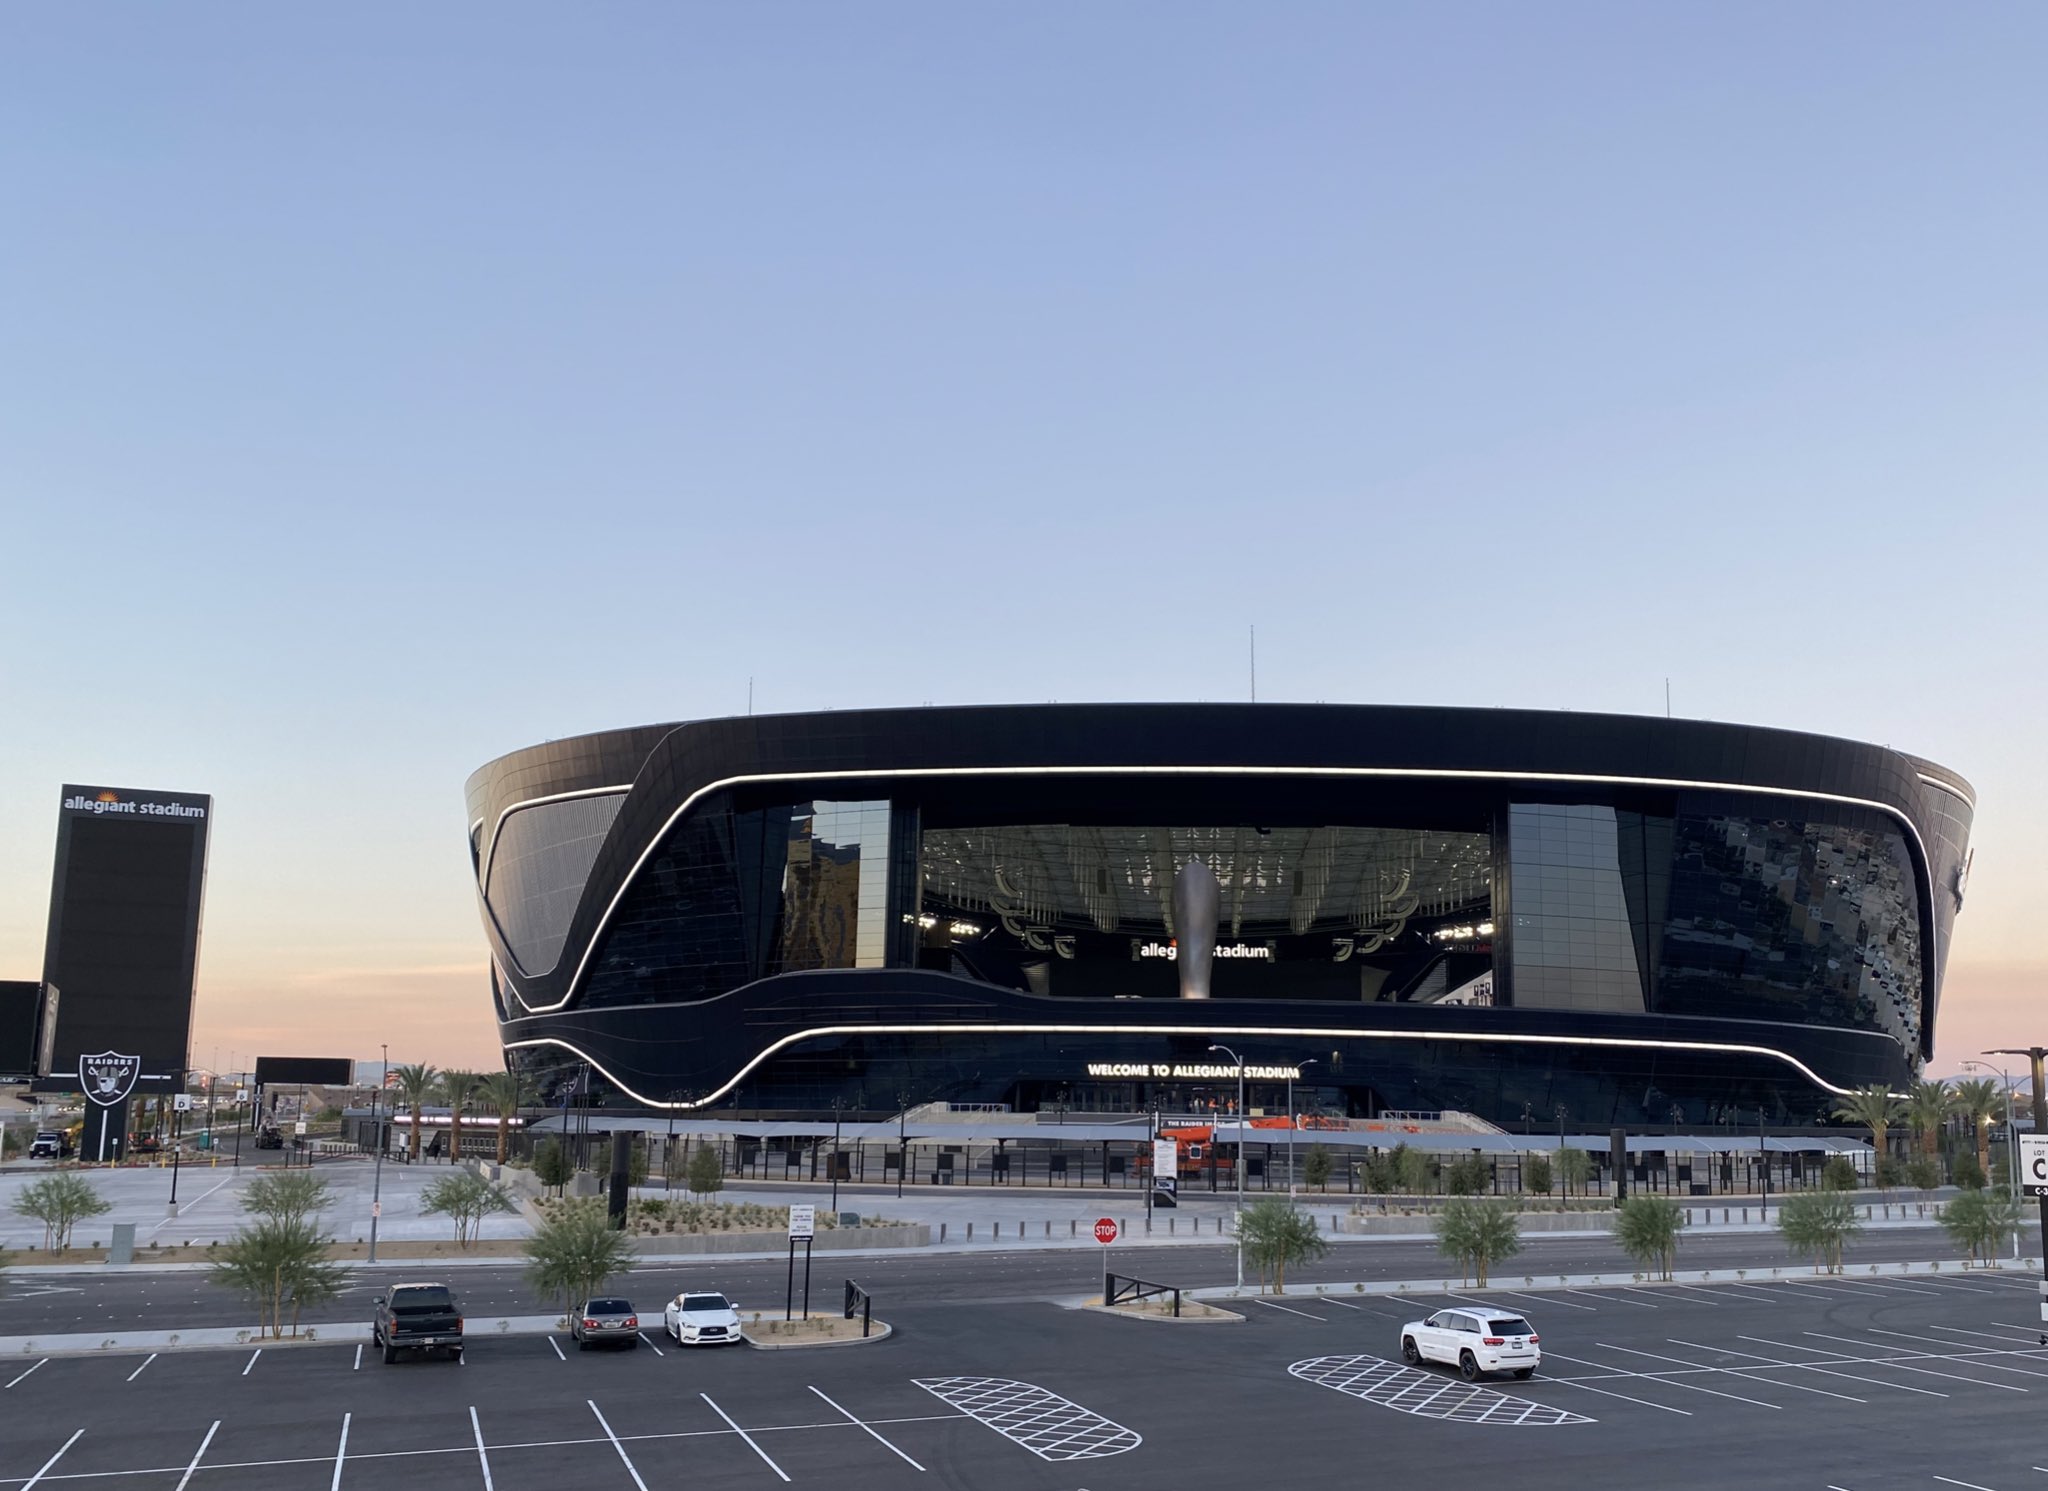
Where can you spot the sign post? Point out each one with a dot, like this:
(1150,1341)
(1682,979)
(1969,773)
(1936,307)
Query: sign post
(803,1221)
(1105,1233)
(1165,1172)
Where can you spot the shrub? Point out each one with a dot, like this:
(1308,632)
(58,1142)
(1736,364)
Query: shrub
(636,1172)
(1468,1175)
(551,1165)
(1923,1172)
(1980,1220)
(1478,1234)
(1536,1174)
(707,1170)
(1576,1166)
(1647,1229)
(465,1198)
(1819,1224)
(1414,1171)
(1315,1168)
(1274,1235)
(1838,1174)
(1967,1172)
(60,1202)
(1888,1172)
(1376,1172)
(291,1197)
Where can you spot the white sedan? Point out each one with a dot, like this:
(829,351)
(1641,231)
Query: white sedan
(702,1320)
(1476,1340)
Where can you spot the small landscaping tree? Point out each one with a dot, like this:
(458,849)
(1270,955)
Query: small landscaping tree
(551,1165)
(1980,1221)
(1967,1172)
(1377,1174)
(465,1198)
(707,1170)
(1468,1175)
(1275,1235)
(1315,1166)
(1647,1229)
(574,1253)
(1536,1179)
(1576,1167)
(291,1197)
(1923,1172)
(1478,1233)
(1819,1224)
(279,1264)
(60,1202)
(1414,1171)
(1838,1174)
(636,1172)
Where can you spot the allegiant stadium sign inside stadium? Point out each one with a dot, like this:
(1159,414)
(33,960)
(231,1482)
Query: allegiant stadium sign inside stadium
(1186,1071)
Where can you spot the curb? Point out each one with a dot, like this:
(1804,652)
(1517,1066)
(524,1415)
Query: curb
(1222,1317)
(883,1331)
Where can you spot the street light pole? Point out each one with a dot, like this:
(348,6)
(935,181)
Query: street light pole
(377,1170)
(2037,1055)
(1290,1124)
(1237,1225)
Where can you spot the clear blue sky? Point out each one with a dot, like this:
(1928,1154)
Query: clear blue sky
(386,387)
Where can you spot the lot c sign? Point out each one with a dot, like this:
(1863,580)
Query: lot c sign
(1105,1230)
(2034,1163)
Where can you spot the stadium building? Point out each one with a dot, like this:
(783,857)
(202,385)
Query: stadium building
(1065,907)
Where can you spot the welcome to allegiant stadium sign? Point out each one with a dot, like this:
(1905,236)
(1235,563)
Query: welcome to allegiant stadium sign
(1185,1071)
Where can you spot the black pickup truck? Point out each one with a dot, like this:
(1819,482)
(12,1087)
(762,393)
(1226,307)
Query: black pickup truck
(417,1317)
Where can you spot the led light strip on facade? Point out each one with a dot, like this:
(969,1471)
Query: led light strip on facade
(1724,1048)
(1925,876)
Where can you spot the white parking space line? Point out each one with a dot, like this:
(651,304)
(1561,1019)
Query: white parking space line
(1717,1293)
(1612,1299)
(1959,1352)
(139,1370)
(1292,1311)
(340,1455)
(190,1204)
(751,1444)
(1665,1378)
(359,1359)
(198,1454)
(2006,1340)
(1752,1372)
(558,1349)
(651,1346)
(1966,1485)
(1834,1357)
(2032,1330)
(877,1438)
(1343,1304)
(1825,1371)
(1610,1393)
(483,1457)
(2004,1387)
(31,1486)
(1544,1299)
(624,1458)
(1771,1293)
(43,1363)
(252,1360)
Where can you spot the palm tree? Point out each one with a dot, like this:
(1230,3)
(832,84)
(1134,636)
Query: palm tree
(414,1083)
(505,1093)
(1980,1101)
(1877,1110)
(457,1087)
(1927,1109)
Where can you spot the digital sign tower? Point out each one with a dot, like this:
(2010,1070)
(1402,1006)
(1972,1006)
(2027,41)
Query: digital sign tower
(123,945)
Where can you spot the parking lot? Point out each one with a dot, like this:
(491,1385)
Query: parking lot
(1865,1383)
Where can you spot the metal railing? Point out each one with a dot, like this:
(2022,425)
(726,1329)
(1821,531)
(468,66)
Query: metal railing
(859,1302)
(1121,1289)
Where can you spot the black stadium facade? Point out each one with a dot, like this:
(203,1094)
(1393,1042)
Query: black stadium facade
(1505,912)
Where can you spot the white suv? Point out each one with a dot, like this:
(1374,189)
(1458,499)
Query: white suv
(1476,1340)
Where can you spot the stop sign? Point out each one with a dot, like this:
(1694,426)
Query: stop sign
(1105,1230)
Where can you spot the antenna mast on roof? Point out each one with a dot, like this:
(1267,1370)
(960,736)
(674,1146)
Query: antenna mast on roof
(1255,663)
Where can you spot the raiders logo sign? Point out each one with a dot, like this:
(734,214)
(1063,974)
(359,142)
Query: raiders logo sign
(108,1078)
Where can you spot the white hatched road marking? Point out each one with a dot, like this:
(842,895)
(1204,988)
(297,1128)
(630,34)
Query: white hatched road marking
(1393,1385)
(872,1434)
(765,1459)
(1836,1357)
(198,1454)
(1051,1427)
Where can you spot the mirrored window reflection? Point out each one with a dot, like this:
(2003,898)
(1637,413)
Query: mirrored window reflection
(1945,826)
(1782,919)
(835,890)
(537,869)
(1573,946)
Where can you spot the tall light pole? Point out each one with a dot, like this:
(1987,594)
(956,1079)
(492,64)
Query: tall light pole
(2012,1138)
(2037,1055)
(1295,1072)
(1237,1225)
(377,1137)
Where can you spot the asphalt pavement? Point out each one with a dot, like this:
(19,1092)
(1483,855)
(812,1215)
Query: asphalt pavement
(1801,1383)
